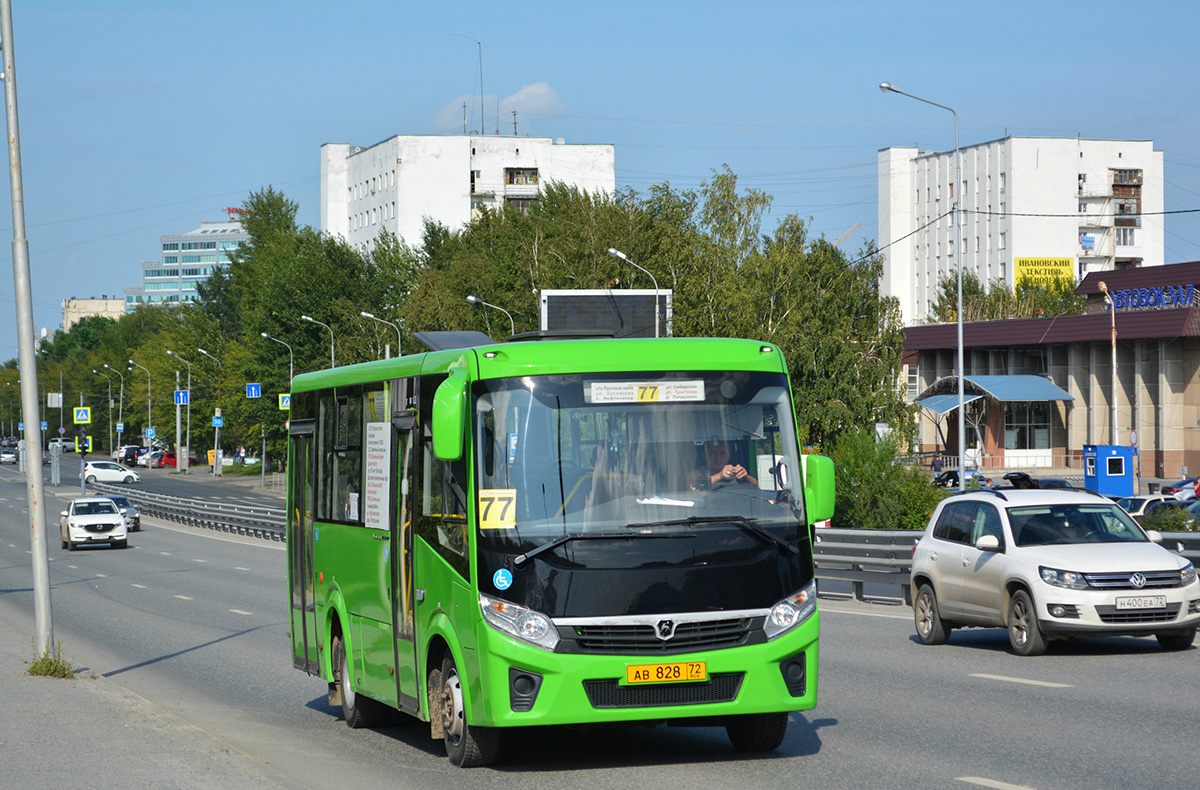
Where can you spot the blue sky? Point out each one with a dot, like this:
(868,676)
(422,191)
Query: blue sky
(144,118)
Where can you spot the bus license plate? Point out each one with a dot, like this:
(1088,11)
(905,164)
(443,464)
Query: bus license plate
(1143,602)
(666,673)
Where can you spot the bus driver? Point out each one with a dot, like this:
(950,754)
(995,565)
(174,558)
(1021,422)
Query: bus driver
(719,469)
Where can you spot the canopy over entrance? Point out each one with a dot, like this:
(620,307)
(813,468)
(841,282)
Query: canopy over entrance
(996,389)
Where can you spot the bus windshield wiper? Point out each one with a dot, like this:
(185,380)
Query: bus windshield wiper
(521,559)
(748,524)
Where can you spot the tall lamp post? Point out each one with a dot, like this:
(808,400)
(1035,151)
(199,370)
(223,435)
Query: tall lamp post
(98,373)
(512,328)
(1112,309)
(120,399)
(291,358)
(365,314)
(149,419)
(887,87)
(187,447)
(312,320)
(613,251)
(216,464)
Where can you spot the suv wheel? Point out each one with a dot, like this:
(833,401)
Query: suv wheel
(931,629)
(1024,633)
(1179,640)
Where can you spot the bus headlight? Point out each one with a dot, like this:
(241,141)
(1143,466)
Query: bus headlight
(791,611)
(519,621)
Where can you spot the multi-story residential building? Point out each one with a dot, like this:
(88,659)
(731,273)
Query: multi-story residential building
(396,183)
(1031,207)
(186,259)
(75,309)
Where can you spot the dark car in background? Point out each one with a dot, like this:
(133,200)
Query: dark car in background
(133,518)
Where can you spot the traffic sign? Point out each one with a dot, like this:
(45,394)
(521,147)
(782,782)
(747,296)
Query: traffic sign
(253,390)
(61,430)
(181,397)
(218,422)
(83,415)
(83,444)
(149,433)
(285,401)
(20,426)
(120,427)
(45,425)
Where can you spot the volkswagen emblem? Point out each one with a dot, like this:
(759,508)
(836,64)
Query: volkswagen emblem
(665,629)
(1137,580)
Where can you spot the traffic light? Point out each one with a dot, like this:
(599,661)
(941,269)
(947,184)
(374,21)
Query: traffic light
(83,442)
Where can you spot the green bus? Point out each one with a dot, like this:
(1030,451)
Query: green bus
(493,535)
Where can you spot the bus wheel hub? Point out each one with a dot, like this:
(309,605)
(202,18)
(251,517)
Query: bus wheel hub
(452,707)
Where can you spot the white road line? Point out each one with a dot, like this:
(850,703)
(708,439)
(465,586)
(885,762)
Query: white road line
(199,560)
(1025,681)
(240,568)
(165,553)
(239,611)
(139,586)
(824,609)
(73,567)
(183,597)
(978,780)
(101,575)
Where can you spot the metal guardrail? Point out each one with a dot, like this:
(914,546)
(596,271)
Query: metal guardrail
(885,556)
(267,523)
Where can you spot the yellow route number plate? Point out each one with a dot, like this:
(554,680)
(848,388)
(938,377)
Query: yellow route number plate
(666,673)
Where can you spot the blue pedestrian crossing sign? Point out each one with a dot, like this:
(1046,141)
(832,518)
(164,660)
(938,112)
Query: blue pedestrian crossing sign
(181,397)
(83,415)
(285,401)
(218,422)
(253,390)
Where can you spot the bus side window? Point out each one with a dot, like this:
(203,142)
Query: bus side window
(443,520)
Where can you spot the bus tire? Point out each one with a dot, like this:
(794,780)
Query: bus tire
(357,710)
(467,746)
(759,732)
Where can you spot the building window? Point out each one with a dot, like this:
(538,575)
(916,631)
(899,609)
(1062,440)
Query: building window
(1083,207)
(171,246)
(521,204)
(951,189)
(521,176)
(1003,240)
(1002,211)
(1125,237)
(1003,180)
(914,381)
(1027,426)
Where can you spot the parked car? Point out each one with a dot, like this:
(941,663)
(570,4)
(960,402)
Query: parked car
(949,478)
(8,455)
(1023,480)
(133,517)
(161,458)
(1139,506)
(108,472)
(92,520)
(64,444)
(142,457)
(1049,565)
(1181,489)
(119,453)
(130,454)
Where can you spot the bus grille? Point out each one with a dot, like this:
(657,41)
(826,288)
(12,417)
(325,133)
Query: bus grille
(1110,614)
(641,639)
(611,694)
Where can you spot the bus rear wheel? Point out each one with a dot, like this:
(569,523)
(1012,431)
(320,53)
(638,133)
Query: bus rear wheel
(466,746)
(357,710)
(759,732)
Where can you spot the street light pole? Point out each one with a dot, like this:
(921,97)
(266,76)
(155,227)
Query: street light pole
(109,380)
(1112,308)
(613,251)
(188,446)
(312,320)
(887,87)
(149,417)
(365,314)
(512,328)
(291,358)
(120,399)
(216,465)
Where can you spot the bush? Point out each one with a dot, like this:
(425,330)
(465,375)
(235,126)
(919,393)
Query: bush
(51,666)
(1170,519)
(875,489)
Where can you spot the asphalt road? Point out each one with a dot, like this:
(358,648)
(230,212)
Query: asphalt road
(194,624)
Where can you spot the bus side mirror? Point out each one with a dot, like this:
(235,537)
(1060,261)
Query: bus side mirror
(818,487)
(450,417)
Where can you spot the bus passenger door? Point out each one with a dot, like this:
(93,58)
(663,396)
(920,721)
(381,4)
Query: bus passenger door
(303,614)
(407,687)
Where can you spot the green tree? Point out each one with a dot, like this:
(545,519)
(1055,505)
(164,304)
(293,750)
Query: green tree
(876,489)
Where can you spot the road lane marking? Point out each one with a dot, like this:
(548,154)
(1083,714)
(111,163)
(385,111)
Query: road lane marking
(199,560)
(239,611)
(978,780)
(139,586)
(73,567)
(101,575)
(865,614)
(165,553)
(183,597)
(1024,680)
(240,568)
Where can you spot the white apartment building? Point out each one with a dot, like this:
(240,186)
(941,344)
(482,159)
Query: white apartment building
(396,183)
(1031,206)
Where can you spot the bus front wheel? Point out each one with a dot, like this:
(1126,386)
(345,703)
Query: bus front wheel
(357,710)
(467,746)
(760,732)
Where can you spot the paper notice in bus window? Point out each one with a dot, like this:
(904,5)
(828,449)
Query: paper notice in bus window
(643,391)
(497,508)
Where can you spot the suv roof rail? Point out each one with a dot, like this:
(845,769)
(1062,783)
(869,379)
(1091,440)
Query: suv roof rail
(982,490)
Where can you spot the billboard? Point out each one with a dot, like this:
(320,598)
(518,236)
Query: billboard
(1044,271)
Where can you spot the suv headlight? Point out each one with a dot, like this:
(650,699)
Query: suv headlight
(1069,579)
(791,611)
(1187,575)
(519,621)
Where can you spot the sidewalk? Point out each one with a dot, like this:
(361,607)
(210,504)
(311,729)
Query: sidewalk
(92,733)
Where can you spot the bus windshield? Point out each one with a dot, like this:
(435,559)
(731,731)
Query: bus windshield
(564,455)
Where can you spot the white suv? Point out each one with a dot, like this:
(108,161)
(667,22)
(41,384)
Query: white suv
(1049,564)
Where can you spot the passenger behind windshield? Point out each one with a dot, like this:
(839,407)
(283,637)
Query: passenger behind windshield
(1071,524)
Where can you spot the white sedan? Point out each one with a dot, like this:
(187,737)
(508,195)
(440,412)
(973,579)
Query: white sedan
(108,472)
(92,520)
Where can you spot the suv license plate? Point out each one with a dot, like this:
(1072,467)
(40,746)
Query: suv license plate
(666,673)
(1143,602)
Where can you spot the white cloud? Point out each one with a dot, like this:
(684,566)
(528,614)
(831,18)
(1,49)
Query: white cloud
(528,102)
